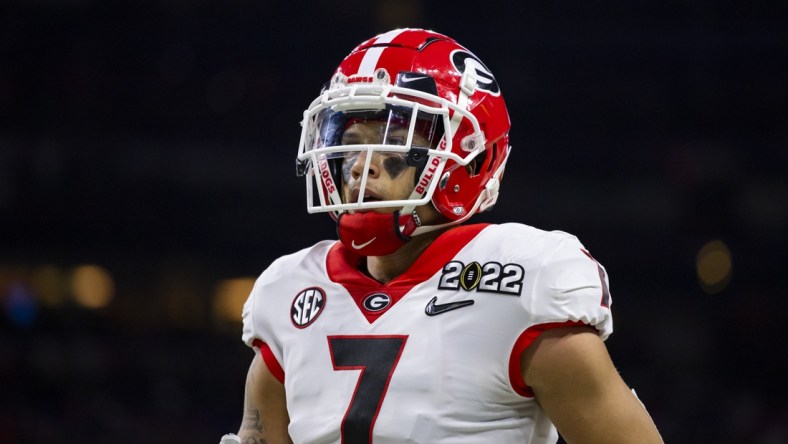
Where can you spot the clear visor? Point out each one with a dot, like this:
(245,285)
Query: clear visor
(390,127)
(351,146)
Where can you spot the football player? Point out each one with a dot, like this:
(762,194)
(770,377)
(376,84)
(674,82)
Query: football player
(415,326)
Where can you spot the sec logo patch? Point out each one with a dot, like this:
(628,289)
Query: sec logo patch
(307,306)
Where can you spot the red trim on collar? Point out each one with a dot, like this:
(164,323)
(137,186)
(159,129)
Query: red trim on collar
(342,266)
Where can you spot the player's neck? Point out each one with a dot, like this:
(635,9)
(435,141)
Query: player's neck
(385,268)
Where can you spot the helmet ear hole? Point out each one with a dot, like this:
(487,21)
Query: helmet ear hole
(492,157)
(474,168)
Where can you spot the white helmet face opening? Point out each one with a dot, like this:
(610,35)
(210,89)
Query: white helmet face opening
(350,139)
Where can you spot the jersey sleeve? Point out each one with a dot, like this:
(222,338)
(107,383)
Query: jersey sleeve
(258,322)
(571,286)
(255,337)
(265,312)
(264,299)
(250,334)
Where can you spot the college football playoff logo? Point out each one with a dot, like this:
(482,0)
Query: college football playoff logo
(490,277)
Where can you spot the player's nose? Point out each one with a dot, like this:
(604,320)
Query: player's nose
(360,164)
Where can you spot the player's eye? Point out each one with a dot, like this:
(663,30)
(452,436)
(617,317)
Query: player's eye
(396,140)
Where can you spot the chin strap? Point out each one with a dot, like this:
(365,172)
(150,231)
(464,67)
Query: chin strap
(376,234)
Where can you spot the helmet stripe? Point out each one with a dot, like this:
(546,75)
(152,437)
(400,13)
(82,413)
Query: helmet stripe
(372,55)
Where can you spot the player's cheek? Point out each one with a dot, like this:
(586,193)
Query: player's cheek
(394,166)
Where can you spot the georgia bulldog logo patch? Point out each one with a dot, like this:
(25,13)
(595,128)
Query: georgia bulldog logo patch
(377,302)
(307,306)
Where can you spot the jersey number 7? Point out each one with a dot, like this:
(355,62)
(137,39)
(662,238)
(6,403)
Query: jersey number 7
(375,357)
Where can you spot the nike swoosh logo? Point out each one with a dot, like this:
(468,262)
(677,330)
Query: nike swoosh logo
(405,79)
(433,309)
(360,246)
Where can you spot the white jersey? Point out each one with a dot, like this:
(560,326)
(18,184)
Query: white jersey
(432,356)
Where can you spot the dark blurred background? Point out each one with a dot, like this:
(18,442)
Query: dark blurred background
(147,177)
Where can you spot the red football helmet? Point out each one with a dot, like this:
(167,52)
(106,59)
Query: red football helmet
(454,127)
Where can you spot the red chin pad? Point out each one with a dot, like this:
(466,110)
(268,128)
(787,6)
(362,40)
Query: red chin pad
(371,233)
